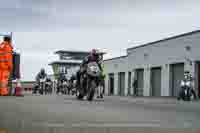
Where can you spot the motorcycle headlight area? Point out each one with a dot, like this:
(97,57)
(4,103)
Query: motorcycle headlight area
(94,69)
(48,83)
(42,80)
(188,83)
(182,83)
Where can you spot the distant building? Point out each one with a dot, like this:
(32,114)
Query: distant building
(68,62)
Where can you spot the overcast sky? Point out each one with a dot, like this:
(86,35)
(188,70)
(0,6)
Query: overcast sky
(43,26)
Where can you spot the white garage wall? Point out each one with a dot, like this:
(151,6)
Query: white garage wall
(115,66)
(166,52)
(160,53)
(163,53)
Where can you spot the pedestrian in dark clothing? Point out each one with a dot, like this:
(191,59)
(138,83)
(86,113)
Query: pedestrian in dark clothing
(135,86)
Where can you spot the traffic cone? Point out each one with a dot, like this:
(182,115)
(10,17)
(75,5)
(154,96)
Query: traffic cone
(18,89)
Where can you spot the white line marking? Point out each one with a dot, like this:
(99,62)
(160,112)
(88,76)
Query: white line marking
(117,125)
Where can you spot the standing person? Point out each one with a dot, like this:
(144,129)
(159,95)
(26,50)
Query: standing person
(6,64)
(102,82)
(135,86)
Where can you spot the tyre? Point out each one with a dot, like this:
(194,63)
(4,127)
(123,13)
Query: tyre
(90,95)
(41,92)
(34,91)
(76,93)
(181,96)
(188,96)
(91,92)
(178,98)
(193,95)
(101,96)
(80,95)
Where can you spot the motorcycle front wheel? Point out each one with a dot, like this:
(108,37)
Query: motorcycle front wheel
(80,96)
(91,92)
(190,97)
(193,95)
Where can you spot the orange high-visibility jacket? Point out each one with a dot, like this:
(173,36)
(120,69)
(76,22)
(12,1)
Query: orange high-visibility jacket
(6,57)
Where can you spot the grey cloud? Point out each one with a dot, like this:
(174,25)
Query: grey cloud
(50,15)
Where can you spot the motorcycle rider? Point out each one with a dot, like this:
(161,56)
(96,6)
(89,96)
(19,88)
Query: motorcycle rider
(187,78)
(73,84)
(101,89)
(41,75)
(72,80)
(62,78)
(93,57)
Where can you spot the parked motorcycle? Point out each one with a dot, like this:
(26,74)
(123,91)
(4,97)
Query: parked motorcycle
(35,89)
(89,81)
(186,93)
(42,86)
(64,87)
(73,88)
(48,87)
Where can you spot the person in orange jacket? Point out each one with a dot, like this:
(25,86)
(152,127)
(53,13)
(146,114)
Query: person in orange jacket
(6,64)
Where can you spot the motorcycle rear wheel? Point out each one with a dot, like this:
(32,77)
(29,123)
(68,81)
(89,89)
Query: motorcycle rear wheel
(193,96)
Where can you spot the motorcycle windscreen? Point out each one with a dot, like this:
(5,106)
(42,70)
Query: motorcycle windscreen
(93,69)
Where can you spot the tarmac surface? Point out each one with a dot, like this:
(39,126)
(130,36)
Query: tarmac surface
(113,114)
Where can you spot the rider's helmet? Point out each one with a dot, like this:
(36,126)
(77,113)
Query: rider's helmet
(94,52)
(186,74)
(42,71)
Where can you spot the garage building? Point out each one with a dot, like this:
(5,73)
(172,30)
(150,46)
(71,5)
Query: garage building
(155,68)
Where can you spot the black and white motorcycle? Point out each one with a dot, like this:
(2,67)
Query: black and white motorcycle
(89,81)
(42,86)
(186,92)
(73,88)
(64,87)
(48,87)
